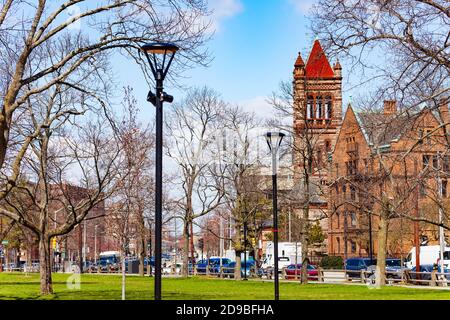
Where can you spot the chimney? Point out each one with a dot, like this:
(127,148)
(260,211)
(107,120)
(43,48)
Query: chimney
(443,110)
(390,107)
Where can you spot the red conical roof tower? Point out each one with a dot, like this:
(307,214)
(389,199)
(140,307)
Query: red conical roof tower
(318,65)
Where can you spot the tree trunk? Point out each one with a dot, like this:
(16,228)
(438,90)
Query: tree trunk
(123,276)
(380,272)
(45,265)
(80,247)
(304,244)
(141,255)
(29,258)
(191,240)
(185,268)
(237,268)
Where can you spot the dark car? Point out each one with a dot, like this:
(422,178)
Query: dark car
(428,268)
(422,276)
(108,263)
(246,269)
(213,264)
(353,266)
(294,271)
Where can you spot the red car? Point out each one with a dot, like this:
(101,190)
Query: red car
(292,271)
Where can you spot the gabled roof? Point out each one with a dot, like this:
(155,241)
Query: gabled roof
(318,65)
(382,129)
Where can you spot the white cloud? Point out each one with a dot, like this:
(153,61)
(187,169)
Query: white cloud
(302,6)
(259,106)
(222,10)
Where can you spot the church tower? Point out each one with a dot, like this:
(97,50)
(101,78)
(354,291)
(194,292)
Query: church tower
(317,108)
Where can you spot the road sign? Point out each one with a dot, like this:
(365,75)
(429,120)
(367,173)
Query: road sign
(5,242)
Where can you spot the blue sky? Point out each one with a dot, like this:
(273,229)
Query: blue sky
(254,48)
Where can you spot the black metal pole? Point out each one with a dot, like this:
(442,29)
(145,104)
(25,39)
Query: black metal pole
(370,238)
(245,249)
(275,234)
(158,183)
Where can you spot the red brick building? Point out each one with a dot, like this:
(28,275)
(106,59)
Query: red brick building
(407,145)
(317,89)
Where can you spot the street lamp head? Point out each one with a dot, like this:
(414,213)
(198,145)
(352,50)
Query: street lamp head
(159,48)
(273,140)
(158,66)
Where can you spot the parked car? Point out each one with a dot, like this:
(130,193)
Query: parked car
(246,269)
(428,268)
(294,271)
(394,270)
(446,260)
(108,261)
(423,268)
(213,265)
(172,268)
(353,266)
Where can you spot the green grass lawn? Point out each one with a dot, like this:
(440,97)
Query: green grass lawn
(108,287)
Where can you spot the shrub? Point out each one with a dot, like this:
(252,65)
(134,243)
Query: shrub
(332,262)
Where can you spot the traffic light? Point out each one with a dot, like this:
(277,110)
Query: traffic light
(54,243)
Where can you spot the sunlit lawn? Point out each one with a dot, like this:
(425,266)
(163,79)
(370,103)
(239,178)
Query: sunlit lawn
(108,287)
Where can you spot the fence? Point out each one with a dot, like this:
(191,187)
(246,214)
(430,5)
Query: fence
(403,276)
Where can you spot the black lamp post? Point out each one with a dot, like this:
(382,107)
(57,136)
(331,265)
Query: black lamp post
(245,248)
(159,70)
(274,141)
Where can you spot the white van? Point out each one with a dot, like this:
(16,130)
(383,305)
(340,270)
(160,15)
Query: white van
(286,254)
(429,255)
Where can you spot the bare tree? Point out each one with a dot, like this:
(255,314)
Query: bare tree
(239,166)
(42,50)
(192,126)
(390,45)
(59,148)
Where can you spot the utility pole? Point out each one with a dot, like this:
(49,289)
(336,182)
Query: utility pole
(176,241)
(416,223)
(370,237)
(84,244)
(289,224)
(95,244)
(345,236)
(441,215)
(221,242)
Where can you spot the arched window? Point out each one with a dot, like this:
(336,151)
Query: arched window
(319,107)
(337,219)
(328,108)
(310,107)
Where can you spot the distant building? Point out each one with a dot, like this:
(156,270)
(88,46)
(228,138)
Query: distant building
(408,144)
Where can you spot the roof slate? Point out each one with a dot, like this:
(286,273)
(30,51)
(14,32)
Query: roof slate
(318,65)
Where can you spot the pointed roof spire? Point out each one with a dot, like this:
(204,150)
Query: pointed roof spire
(318,65)
(299,62)
(337,65)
